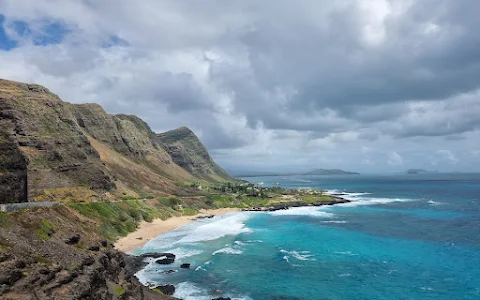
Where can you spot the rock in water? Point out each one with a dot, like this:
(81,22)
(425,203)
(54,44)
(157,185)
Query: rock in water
(166,289)
(185,266)
(165,260)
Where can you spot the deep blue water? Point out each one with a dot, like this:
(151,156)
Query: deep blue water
(403,237)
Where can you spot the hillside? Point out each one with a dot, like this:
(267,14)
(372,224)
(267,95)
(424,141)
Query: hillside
(189,153)
(80,152)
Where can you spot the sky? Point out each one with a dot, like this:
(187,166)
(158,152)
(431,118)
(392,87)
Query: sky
(362,85)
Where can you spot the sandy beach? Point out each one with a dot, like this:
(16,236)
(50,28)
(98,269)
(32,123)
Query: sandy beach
(147,231)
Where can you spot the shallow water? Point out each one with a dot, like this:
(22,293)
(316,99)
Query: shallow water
(402,237)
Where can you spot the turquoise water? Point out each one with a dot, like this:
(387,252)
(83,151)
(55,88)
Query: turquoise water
(402,237)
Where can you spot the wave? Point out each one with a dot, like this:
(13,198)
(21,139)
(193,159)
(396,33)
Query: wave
(372,201)
(431,202)
(346,194)
(335,222)
(228,250)
(189,291)
(254,241)
(181,252)
(302,211)
(228,225)
(298,255)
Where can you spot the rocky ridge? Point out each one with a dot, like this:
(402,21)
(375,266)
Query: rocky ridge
(78,151)
(188,152)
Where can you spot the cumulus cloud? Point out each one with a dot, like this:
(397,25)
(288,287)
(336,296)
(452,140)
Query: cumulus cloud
(267,84)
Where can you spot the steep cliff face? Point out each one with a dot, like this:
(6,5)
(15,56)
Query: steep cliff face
(188,152)
(77,151)
(13,172)
(45,129)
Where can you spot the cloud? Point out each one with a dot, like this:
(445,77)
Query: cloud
(448,156)
(263,83)
(394,158)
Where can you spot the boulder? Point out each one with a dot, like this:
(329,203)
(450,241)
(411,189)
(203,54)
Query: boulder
(157,255)
(164,260)
(88,261)
(10,277)
(74,239)
(166,289)
(94,248)
(185,266)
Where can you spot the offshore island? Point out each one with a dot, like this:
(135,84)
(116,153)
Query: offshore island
(80,187)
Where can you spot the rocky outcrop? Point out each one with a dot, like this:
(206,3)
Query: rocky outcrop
(80,151)
(13,172)
(189,153)
(34,265)
(288,205)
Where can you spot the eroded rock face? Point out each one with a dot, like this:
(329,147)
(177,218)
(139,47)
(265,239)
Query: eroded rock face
(13,172)
(189,153)
(79,151)
(69,146)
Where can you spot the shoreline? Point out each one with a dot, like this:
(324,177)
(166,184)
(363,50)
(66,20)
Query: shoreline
(147,231)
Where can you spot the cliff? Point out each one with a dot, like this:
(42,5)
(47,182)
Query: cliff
(189,153)
(79,152)
(13,172)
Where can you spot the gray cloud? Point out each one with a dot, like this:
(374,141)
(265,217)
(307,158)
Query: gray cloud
(271,84)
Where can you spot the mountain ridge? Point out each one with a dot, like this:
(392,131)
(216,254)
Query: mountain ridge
(189,153)
(79,151)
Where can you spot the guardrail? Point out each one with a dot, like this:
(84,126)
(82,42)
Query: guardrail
(23,205)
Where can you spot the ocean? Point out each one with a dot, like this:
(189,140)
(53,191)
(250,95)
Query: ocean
(402,237)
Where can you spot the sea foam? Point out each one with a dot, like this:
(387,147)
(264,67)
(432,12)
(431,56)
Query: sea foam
(232,224)
(302,211)
(298,255)
(372,201)
(228,250)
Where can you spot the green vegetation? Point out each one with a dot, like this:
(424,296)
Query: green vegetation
(5,220)
(45,230)
(158,291)
(4,244)
(120,218)
(188,211)
(119,290)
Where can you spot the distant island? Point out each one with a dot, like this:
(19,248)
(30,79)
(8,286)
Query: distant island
(330,172)
(313,172)
(417,171)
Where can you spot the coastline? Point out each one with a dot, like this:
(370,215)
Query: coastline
(147,231)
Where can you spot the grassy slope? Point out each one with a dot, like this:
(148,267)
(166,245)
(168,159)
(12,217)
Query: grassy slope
(119,218)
